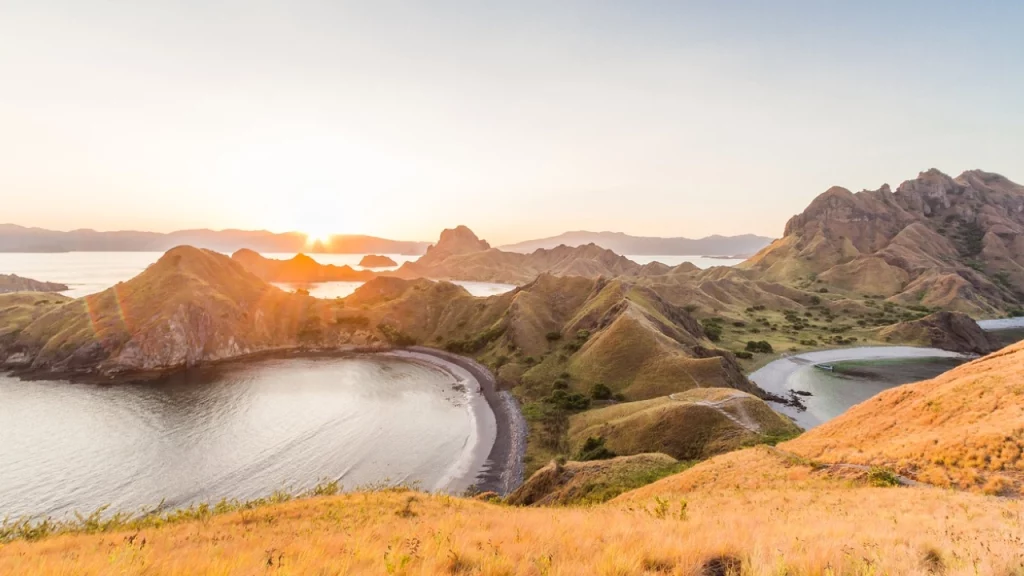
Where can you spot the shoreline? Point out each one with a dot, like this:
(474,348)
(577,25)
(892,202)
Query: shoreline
(500,471)
(775,376)
(503,468)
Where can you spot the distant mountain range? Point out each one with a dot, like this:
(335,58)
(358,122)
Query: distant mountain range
(15,238)
(620,243)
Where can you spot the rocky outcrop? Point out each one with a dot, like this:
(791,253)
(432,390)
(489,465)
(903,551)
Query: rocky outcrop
(11,283)
(460,255)
(956,243)
(376,261)
(946,330)
(300,269)
(192,306)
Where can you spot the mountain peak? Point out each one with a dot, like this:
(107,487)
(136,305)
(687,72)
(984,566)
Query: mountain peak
(458,240)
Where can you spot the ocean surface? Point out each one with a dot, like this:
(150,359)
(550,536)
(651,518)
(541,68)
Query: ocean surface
(90,272)
(236,431)
(857,375)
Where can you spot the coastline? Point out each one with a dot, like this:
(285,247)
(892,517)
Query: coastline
(504,467)
(501,465)
(774,377)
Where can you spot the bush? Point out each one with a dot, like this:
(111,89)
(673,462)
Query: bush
(583,335)
(553,336)
(600,392)
(882,477)
(761,346)
(396,337)
(560,384)
(619,397)
(744,355)
(712,330)
(594,449)
(823,290)
(568,400)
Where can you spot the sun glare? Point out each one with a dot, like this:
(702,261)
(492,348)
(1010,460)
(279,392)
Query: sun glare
(313,238)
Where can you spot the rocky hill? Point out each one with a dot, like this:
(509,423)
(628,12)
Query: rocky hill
(12,283)
(946,330)
(950,243)
(964,428)
(460,255)
(189,307)
(377,261)
(299,269)
(645,245)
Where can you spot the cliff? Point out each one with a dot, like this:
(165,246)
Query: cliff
(950,243)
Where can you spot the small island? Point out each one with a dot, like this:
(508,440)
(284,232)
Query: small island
(12,283)
(377,261)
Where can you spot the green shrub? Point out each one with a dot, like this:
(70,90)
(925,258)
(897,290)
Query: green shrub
(712,330)
(583,335)
(761,346)
(815,300)
(553,336)
(600,392)
(594,449)
(744,355)
(882,477)
(568,400)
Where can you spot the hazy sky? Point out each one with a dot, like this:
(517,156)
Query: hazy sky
(519,119)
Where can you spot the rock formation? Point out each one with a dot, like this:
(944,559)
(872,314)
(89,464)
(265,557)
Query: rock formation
(376,261)
(299,269)
(11,283)
(946,330)
(950,243)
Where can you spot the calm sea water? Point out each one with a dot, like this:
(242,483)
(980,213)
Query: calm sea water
(237,431)
(91,272)
(853,382)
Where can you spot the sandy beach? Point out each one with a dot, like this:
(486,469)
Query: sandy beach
(500,444)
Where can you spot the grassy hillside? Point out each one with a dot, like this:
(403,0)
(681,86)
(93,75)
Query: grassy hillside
(752,512)
(592,482)
(691,425)
(964,428)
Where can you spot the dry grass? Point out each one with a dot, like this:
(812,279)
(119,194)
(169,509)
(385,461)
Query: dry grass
(964,428)
(794,520)
(685,427)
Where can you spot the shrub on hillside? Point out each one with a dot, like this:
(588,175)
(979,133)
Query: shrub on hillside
(568,400)
(594,449)
(600,392)
(553,336)
(759,346)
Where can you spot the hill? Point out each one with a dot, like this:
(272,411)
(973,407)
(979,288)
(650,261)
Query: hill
(964,428)
(299,269)
(951,243)
(377,261)
(620,243)
(691,425)
(189,307)
(21,239)
(11,283)
(593,482)
(460,255)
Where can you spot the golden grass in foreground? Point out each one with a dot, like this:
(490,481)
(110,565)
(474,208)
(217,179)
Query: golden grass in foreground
(789,519)
(964,428)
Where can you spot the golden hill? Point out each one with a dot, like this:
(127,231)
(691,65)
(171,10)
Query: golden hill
(299,269)
(756,512)
(955,244)
(12,283)
(460,255)
(191,306)
(592,482)
(691,425)
(964,428)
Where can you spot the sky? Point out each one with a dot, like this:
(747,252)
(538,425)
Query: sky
(519,119)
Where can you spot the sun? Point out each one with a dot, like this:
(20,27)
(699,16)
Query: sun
(321,237)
